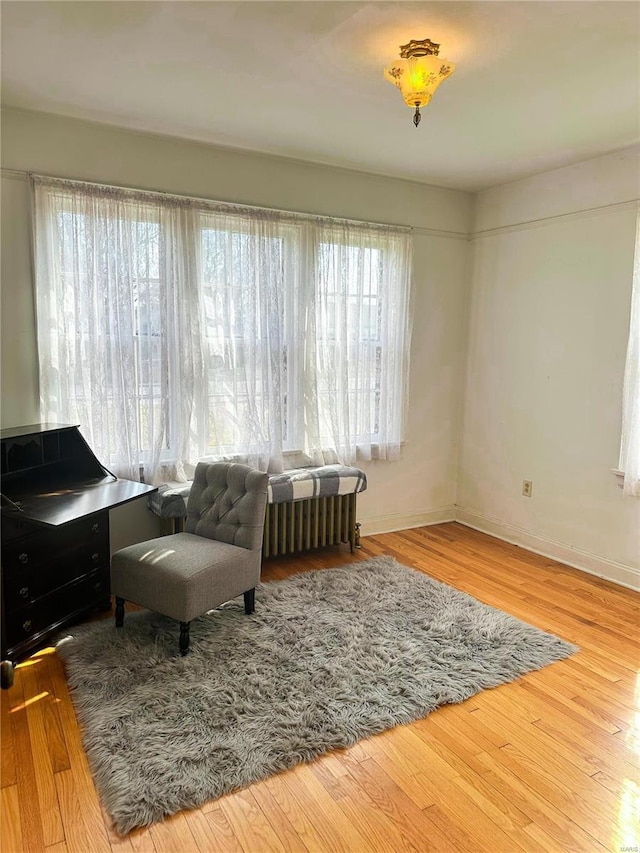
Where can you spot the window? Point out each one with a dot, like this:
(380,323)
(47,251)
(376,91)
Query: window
(630,445)
(175,330)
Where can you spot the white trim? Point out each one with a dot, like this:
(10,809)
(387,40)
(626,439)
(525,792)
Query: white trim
(14,174)
(434,232)
(632,204)
(619,475)
(593,564)
(399,521)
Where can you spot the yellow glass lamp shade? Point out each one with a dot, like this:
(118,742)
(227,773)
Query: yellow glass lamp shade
(418,73)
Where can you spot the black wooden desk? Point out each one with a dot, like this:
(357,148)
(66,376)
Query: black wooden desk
(56,498)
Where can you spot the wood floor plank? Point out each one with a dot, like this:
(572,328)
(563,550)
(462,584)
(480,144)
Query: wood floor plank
(361,805)
(478,789)
(601,750)
(484,822)
(545,763)
(582,787)
(30,816)
(80,836)
(406,749)
(53,726)
(545,814)
(45,785)
(172,835)
(292,803)
(249,823)
(626,835)
(569,706)
(596,825)
(127,843)
(622,691)
(398,807)
(79,770)
(443,740)
(203,832)
(10,829)
(278,819)
(225,837)
(332,784)
(141,841)
(544,842)
(472,734)
(453,830)
(8,776)
(398,773)
(535,740)
(326,811)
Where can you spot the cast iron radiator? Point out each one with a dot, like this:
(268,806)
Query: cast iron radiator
(301,525)
(310,523)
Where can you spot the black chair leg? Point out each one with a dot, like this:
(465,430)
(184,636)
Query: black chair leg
(184,638)
(119,612)
(250,601)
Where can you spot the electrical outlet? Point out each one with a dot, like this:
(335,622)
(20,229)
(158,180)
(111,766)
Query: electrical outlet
(527,488)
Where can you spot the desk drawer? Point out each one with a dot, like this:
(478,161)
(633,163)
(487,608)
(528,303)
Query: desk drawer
(44,546)
(40,615)
(25,586)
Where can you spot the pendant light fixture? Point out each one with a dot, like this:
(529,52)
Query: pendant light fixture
(418,73)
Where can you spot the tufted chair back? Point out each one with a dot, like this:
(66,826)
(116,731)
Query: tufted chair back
(227,502)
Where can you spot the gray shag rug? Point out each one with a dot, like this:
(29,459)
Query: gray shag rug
(328,658)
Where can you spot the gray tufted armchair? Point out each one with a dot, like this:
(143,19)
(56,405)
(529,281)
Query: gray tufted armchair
(218,557)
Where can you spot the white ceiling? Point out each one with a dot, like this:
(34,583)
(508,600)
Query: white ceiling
(537,85)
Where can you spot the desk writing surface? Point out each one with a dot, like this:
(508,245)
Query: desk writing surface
(34,429)
(59,505)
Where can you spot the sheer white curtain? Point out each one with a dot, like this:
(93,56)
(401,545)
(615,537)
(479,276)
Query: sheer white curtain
(174,330)
(630,446)
(356,363)
(103,319)
(250,274)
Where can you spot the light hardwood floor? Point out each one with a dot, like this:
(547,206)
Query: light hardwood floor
(547,763)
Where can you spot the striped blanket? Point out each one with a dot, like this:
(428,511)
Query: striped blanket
(170,501)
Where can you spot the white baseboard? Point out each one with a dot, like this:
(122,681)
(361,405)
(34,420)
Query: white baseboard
(574,557)
(401,521)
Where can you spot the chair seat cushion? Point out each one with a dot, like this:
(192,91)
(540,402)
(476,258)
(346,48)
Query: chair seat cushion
(183,575)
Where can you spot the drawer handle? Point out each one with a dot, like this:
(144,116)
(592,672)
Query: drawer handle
(95,557)
(27,625)
(95,527)
(24,558)
(97,585)
(24,591)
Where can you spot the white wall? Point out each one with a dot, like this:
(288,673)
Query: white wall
(419,488)
(18,355)
(547,314)
(551,275)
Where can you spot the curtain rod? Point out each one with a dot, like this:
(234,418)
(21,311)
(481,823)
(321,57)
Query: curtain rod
(238,206)
(415,229)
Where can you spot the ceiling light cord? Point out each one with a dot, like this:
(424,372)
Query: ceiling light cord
(416,115)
